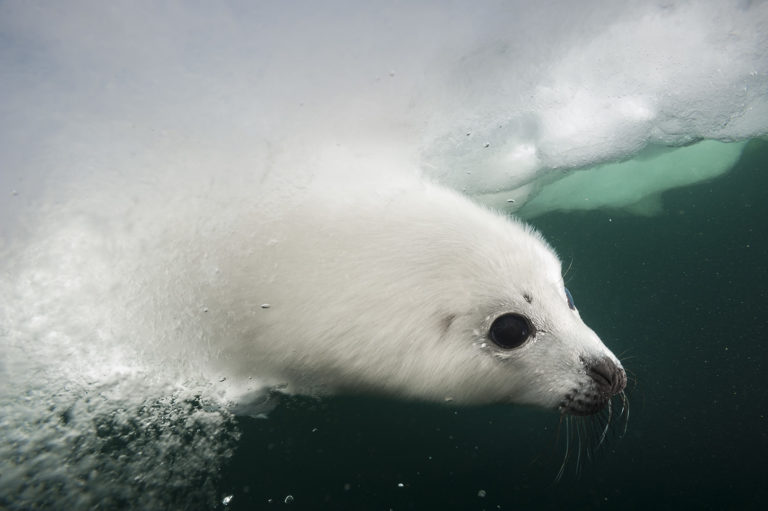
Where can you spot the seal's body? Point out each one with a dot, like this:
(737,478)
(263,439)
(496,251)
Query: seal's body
(408,290)
(398,287)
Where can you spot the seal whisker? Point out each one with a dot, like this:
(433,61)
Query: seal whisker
(600,432)
(624,354)
(631,376)
(607,423)
(579,429)
(595,427)
(625,410)
(570,264)
(567,443)
(586,435)
(624,404)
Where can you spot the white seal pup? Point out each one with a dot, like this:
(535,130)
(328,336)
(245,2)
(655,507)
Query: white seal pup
(409,290)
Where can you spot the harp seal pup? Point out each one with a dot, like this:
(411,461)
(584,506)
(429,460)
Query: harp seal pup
(409,290)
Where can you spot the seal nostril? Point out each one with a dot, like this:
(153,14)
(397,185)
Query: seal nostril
(608,376)
(599,375)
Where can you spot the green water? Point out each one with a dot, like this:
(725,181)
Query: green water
(681,297)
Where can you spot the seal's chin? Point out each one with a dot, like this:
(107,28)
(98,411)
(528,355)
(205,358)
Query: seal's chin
(604,380)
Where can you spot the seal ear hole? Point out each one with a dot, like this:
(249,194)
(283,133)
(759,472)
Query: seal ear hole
(528,298)
(447,321)
(510,331)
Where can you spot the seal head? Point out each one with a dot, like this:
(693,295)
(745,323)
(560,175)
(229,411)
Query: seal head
(414,292)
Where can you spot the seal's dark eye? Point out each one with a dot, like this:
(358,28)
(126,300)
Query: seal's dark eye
(510,331)
(570,299)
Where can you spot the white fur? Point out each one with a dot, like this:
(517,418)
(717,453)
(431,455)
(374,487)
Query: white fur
(387,288)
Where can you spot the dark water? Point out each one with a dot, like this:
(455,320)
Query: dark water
(680,297)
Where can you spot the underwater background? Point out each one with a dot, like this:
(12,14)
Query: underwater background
(680,297)
(632,134)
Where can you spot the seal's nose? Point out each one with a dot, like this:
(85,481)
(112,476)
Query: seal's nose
(610,378)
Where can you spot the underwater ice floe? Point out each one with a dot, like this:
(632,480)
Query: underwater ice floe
(634,185)
(630,103)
